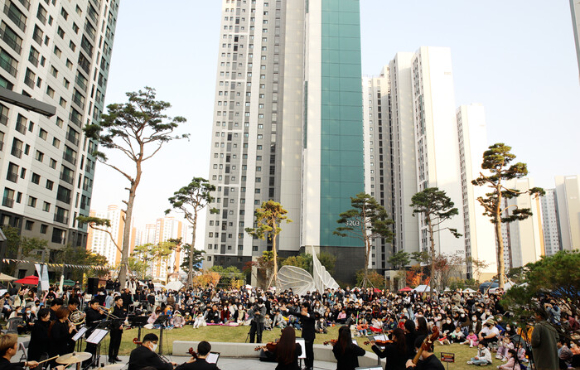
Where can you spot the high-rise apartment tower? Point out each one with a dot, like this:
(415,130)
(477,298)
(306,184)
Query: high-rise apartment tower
(57,52)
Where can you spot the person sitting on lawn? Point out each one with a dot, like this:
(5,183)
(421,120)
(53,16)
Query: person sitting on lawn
(483,356)
(512,361)
(471,339)
(456,336)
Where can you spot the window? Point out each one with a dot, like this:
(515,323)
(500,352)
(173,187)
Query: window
(39,156)
(52,163)
(64,13)
(43,229)
(46,207)
(49,184)
(55,143)
(35,178)
(32,202)
(28,225)
(57,51)
(42,134)
(60,32)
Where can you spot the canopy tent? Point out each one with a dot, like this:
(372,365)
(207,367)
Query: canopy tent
(68,282)
(29,280)
(4,277)
(174,285)
(423,288)
(469,290)
(405,289)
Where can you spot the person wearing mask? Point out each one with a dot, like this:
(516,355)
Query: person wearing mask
(29,319)
(145,356)
(39,340)
(258,314)
(395,353)
(8,349)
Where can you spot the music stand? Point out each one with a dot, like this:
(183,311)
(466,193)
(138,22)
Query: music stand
(138,322)
(161,321)
(96,338)
(79,335)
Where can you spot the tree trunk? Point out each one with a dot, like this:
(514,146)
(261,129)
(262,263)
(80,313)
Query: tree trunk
(191,248)
(499,238)
(432,240)
(127,238)
(367,254)
(275,256)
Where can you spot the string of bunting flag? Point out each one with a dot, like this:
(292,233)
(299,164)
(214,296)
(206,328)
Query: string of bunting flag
(83,267)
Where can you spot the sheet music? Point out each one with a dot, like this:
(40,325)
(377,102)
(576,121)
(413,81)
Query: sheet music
(302,343)
(382,337)
(80,333)
(97,336)
(212,357)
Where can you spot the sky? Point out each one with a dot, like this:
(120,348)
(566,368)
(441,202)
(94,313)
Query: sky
(515,57)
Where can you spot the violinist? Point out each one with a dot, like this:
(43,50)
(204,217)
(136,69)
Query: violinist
(144,355)
(286,350)
(394,352)
(345,351)
(426,358)
(198,360)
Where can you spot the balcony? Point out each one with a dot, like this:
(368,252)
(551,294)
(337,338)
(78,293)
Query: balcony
(16,152)
(78,101)
(11,42)
(8,202)
(66,178)
(63,198)
(32,59)
(81,82)
(15,17)
(76,120)
(11,176)
(7,66)
(72,138)
(26,4)
(28,81)
(61,219)
(20,128)
(37,37)
(69,158)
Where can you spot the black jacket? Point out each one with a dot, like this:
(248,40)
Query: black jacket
(199,364)
(39,341)
(7,365)
(60,339)
(307,321)
(349,359)
(395,359)
(430,363)
(142,357)
(294,364)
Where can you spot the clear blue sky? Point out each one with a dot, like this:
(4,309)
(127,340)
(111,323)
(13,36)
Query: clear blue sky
(515,57)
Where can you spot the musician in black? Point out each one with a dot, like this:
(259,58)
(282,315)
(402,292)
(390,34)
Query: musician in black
(199,361)
(116,334)
(145,356)
(307,320)
(8,348)
(94,316)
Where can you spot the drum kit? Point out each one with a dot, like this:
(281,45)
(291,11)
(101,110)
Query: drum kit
(76,358)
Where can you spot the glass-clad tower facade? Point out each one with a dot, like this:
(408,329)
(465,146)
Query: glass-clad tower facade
(287,125)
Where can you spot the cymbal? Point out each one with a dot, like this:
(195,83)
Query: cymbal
(73,358)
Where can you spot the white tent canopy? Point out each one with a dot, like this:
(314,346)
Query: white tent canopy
(422,288)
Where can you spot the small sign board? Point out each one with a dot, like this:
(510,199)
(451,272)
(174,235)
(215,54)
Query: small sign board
(447,357)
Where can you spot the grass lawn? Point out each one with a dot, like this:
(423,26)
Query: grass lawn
(238,335)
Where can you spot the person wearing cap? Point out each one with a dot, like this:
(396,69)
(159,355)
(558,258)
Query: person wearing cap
(489,333)
(145,356)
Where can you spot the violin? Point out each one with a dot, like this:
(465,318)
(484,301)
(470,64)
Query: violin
(380,343)
(427,344)
(192,353)
(137,342)
(271,346)
(332,342)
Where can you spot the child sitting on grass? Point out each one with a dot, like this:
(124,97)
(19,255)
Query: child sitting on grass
(512,361)
(471,339)
(504,346)
(267,323)
(456,335)
(483,356)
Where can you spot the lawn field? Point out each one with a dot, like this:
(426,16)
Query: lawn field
(239,334)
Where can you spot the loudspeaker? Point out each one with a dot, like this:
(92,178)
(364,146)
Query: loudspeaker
(93,286)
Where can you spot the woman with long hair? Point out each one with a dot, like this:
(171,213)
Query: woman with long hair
(410,336)
(287,350)
(39,341)
(60,333)
(396,353)
(345,351)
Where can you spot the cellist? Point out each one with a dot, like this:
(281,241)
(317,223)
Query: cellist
(425,358)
